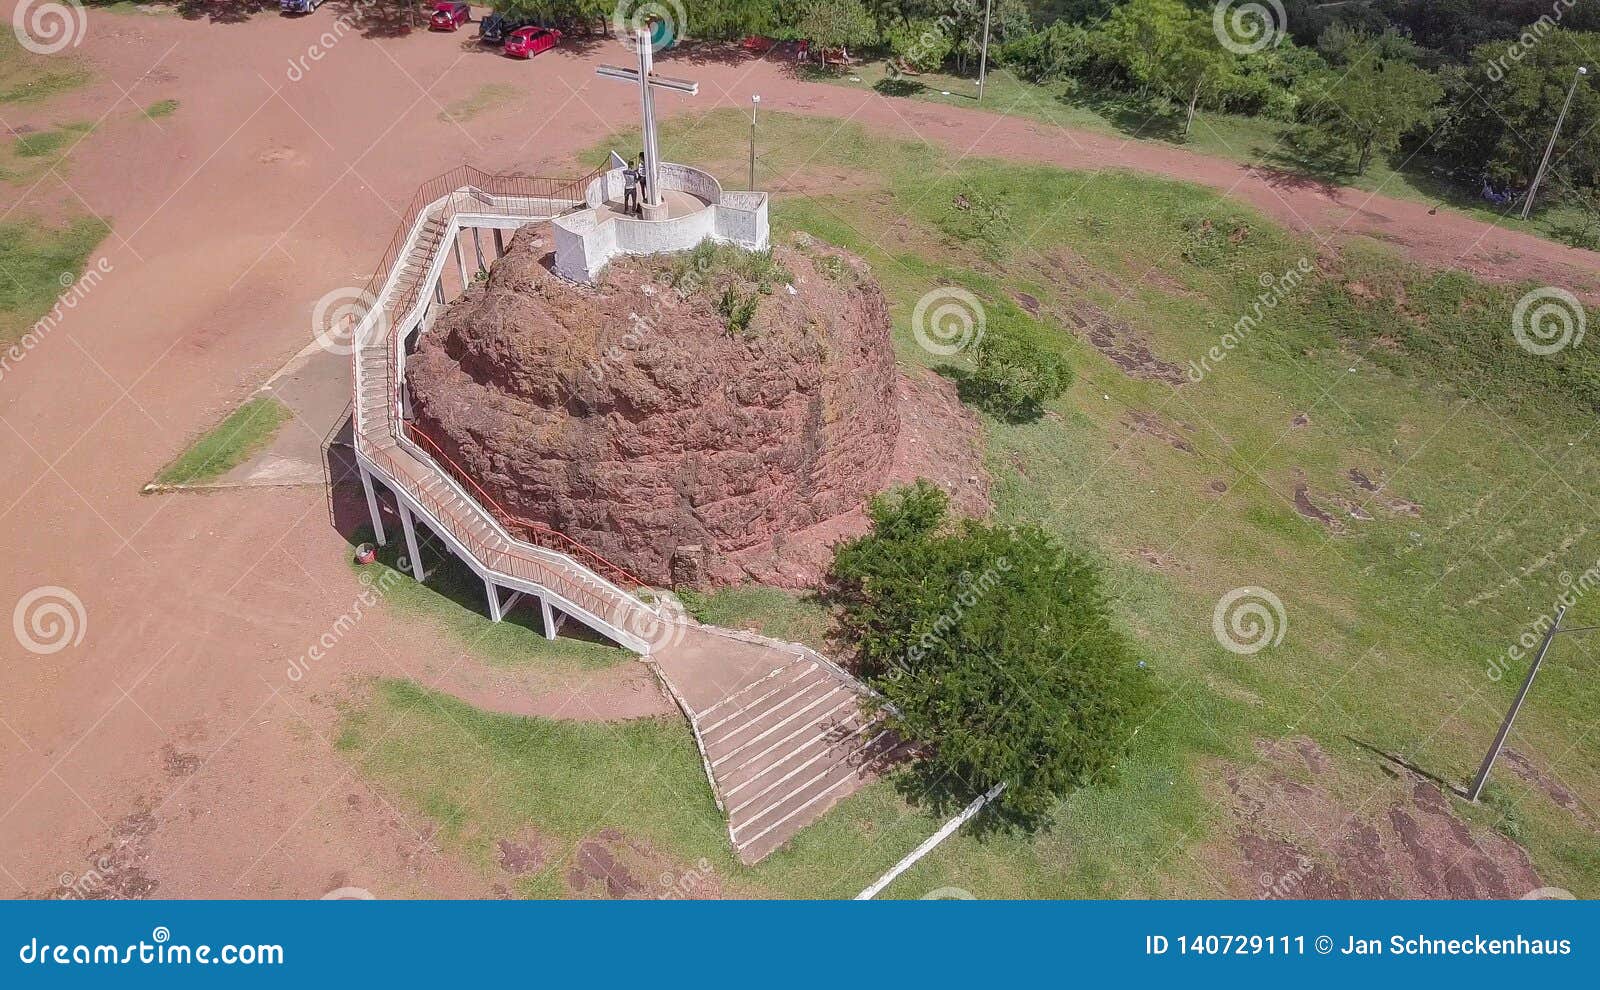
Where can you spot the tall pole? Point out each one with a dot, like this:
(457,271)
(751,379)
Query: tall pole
(1516,706)
(983,53)
(755,104)
(1527,204)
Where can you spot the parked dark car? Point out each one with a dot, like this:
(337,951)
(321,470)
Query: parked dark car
(298,6)
(449,15)
(492,30)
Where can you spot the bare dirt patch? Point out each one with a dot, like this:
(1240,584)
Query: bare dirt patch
(610,865)
(1288,839)
(1122,345)
(1552,788)
(1308,508)
(1151,425)
(524,854)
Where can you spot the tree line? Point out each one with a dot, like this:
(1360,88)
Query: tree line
(1471,87)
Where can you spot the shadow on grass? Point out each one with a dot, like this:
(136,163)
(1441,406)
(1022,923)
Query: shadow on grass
(899,87)
(1406,765)
(983,395)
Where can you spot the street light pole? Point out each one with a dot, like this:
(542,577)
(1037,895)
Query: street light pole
(1522,695)
(1527,204)
(983,54)
(755,104)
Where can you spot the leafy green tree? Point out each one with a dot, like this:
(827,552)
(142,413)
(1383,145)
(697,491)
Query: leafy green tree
(1372,102)
(920,45)
(1015,375)
(1505,139)
(993,648)
(1172,48)
(835,25)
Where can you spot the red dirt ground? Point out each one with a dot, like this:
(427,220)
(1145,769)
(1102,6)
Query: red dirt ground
(167,754)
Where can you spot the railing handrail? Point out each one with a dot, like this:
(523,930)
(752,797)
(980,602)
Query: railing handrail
(401,305)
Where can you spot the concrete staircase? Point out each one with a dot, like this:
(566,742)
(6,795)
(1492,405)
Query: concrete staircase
(781,729)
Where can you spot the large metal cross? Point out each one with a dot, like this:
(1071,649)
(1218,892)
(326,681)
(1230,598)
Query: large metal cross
(648,81)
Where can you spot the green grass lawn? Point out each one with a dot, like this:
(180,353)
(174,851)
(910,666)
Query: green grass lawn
(1252,140)
(245,432)
(1182,494)
(29,78)
(40,262)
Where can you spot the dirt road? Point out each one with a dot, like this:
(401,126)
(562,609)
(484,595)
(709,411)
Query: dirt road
(168,751)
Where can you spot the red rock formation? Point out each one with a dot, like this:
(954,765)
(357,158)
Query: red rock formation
(630,417)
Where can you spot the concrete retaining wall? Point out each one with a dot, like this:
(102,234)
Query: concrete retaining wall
(585,242)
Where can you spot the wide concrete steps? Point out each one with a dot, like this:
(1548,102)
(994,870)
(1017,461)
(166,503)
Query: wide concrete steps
(785,735)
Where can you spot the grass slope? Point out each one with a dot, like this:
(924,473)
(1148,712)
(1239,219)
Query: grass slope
(1394,623)
(39,261)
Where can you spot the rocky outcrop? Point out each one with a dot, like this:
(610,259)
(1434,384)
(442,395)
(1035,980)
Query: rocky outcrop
(631,417)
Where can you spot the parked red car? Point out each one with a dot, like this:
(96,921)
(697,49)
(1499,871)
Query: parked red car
(526,42)
(447,16)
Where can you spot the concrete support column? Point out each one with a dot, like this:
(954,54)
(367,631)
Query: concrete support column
(438,290)
(477,247)
(499,243)
(461,262)
(411,543)
(372,506)
(549,618)
(496,613)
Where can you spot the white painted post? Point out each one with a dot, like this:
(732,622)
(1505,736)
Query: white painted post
(411,543)
(495,614)
(477,246)
(929,844)
(461,262)
(438,289)
(549,618)
(499,243)
(372,507)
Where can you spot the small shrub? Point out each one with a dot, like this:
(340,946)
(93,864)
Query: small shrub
(1016,376)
